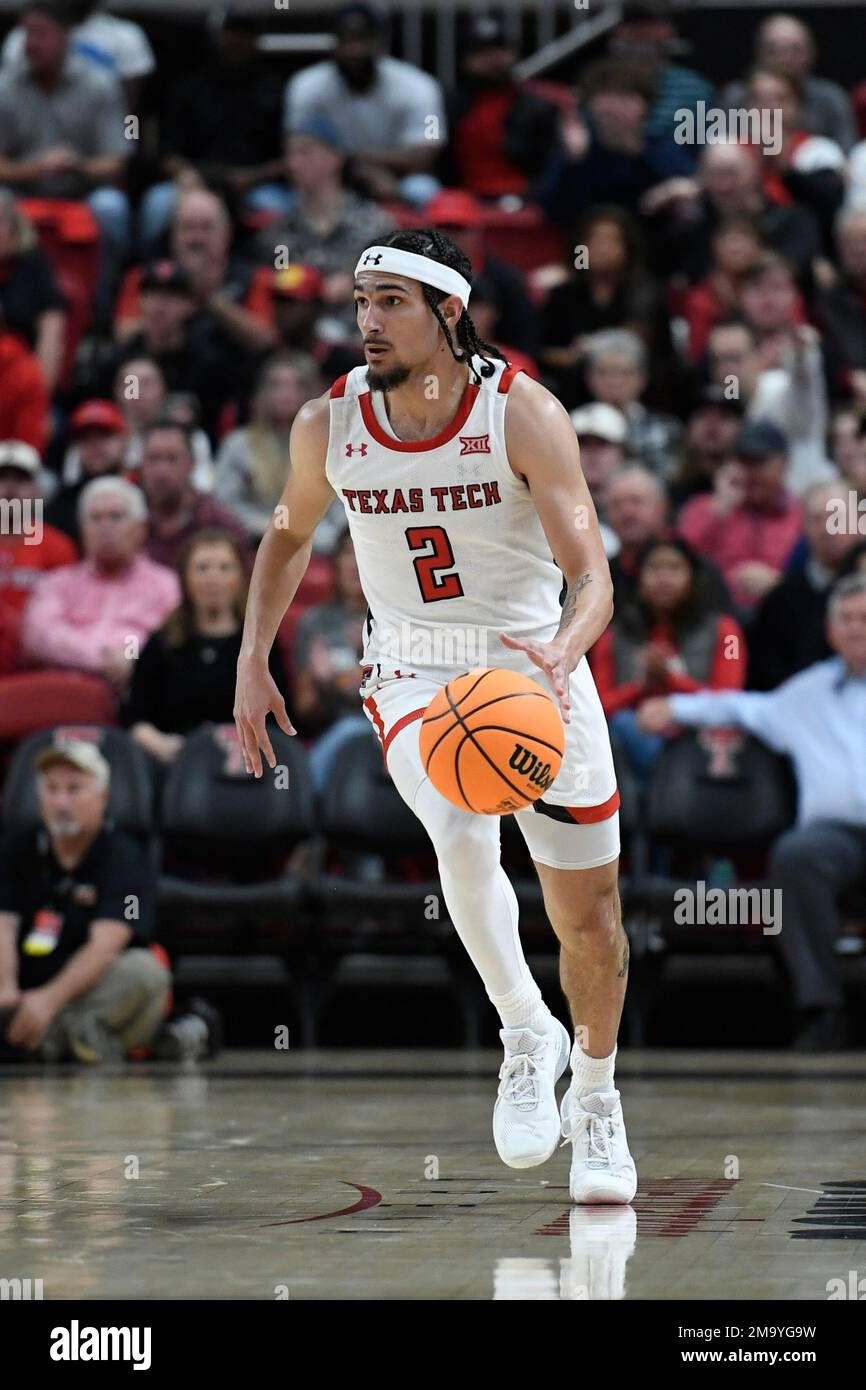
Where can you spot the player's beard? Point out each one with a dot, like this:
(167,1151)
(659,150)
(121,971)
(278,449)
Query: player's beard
(387,379)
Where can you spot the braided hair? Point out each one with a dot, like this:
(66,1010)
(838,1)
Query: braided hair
(427,241)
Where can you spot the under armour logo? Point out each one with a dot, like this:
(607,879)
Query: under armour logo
(361,448)
(372,260)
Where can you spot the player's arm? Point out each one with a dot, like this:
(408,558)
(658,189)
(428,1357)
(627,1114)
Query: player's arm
(280,565)
(543,449)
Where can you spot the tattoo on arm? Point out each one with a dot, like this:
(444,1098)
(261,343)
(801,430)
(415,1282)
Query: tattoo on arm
(621,972)
(570,601)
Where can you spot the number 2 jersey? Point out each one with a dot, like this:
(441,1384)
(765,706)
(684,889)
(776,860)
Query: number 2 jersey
(451,550)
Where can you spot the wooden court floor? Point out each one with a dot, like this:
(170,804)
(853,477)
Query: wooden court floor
(350,1175)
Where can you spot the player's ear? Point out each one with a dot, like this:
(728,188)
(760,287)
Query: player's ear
(451,309)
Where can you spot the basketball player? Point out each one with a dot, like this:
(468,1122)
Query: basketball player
(462,486)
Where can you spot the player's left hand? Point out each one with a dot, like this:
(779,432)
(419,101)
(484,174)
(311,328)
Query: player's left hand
(554,659)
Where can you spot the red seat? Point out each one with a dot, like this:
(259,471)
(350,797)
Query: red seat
(525,237)
(33,700)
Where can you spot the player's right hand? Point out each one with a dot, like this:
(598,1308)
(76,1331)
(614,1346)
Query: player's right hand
(256,696)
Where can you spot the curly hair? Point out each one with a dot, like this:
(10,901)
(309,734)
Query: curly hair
(427,241)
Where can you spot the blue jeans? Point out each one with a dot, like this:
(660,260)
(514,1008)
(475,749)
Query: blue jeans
(641,749)
(110,207)
(323,754)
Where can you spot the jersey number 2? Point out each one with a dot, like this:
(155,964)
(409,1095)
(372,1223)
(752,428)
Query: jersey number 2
(433,584)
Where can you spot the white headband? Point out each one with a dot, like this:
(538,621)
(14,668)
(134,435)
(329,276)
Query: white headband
(441,277)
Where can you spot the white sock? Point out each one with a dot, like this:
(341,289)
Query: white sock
(591,1073)
(523,1007)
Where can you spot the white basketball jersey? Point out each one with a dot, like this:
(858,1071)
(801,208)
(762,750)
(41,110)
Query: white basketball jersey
(450,547)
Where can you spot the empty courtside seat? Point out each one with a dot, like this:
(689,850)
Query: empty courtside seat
(363,817)
(227,840)
(32,700)
(722,789)
(130,802)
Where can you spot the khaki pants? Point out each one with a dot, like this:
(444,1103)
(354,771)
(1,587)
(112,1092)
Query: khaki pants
(129,1000)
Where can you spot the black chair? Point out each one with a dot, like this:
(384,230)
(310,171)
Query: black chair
(714,795)
(227,839)
(534,924)
(376,875)
(130,802)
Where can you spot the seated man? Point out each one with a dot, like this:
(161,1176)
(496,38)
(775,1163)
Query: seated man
(62,128)
(637,511)
(502,132)
(95,616)
(75,918)
(818,718)
(751,521)
(177,508)
(601,430)
(186,342)
(617,372)
(97,437)
(788,630)
(389,113)
(220,284)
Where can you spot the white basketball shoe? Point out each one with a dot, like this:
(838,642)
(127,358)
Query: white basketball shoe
(602,1169)
(526,1121)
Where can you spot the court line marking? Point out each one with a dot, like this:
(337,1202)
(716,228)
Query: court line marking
(818,1190)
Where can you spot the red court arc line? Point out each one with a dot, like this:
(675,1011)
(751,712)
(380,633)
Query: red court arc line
(369,1198)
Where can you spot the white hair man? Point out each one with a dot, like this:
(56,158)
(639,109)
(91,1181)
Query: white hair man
(95,615)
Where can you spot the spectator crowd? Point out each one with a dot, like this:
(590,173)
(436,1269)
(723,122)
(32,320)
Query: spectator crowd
(698,305)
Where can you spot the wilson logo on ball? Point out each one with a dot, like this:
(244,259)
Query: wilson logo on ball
(524,761)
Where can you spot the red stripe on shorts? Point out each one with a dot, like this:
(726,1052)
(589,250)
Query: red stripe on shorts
(588,815)
(401,724)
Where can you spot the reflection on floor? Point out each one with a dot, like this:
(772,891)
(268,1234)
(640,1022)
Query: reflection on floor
(373,1175)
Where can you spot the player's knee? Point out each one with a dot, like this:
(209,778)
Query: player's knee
(466,845)
(593,915)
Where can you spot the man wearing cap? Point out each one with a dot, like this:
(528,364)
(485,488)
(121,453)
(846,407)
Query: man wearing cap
(222,284)
(29,545)
(76,896)
(185,342)
(389,114)
(97,431)
(327,224)
(750,523)
(502,133)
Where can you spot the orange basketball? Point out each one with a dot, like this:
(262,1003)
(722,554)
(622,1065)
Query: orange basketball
(492,741)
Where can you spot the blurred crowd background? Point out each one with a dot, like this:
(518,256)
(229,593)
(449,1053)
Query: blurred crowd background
(180,213)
